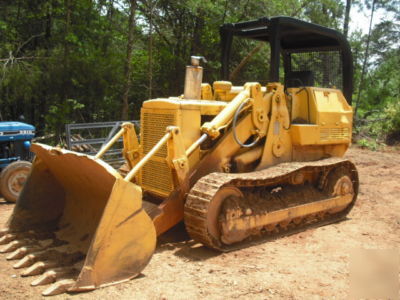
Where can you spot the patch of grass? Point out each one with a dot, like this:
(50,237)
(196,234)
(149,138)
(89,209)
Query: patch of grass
(368,144)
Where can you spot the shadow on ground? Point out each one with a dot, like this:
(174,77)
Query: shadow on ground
(179,240)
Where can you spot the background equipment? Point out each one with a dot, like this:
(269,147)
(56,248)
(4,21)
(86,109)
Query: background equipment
(15,157)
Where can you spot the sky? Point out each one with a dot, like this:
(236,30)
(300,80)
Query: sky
(360,19)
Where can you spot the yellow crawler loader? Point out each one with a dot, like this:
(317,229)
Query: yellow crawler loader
(233,162)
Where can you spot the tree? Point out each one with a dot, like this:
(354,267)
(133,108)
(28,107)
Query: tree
(128,62)
(364,65)
(347,18)
(98,60)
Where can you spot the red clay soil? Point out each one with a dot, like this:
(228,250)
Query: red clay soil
(310,265)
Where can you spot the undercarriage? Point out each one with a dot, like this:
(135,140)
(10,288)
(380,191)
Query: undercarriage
(224,211)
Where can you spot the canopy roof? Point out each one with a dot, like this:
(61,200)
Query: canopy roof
(286,35)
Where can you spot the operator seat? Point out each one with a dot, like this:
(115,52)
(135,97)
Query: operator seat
(297,79)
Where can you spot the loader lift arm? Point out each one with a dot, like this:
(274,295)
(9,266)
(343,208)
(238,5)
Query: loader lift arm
(170,212)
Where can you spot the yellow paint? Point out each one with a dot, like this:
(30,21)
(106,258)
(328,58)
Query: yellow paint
(213,127)
(131,149)
(156,176)
(278,145)
(88,204)
(246,223)
(206,92)
(329,124)
(206,107)
(124,241)
(100,213)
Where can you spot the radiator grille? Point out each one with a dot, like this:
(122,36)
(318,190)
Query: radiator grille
(154,125)
(156,176)
(327,134)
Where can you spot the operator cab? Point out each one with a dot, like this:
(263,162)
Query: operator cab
(308,54)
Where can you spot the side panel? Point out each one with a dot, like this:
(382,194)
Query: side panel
(321,123)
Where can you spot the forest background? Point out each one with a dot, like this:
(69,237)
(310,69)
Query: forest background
(74,61)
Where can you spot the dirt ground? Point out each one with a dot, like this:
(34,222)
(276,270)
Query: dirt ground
(310,265)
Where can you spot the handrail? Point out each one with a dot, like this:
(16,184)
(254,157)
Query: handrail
(111,142)
(132,173)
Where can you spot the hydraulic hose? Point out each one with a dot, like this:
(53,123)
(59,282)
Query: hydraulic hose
(235,117)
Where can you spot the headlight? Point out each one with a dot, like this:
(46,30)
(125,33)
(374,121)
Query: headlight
(27,145)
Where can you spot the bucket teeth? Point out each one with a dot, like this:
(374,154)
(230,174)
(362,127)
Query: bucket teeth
(4,231)
(19,253)
(59,287)
(38,268)
(52,275)
(5,239)
(46,278)
(10,247)
(33,257)
(26,261)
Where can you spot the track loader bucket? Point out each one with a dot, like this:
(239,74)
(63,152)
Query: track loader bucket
(78,223)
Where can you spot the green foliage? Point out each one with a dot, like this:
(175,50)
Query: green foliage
(383,84)
(392,120)
(62,113)
(380,102)
(64,60)
(368,144)
(379,93)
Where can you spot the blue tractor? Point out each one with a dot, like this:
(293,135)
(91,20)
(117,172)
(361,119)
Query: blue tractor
(15,157)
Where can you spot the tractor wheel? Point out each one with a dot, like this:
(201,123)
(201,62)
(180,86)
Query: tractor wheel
(12,179)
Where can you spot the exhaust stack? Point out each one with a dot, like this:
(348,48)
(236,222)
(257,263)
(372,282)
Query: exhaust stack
(194,78)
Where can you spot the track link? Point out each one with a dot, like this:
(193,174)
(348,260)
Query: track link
(200,198)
